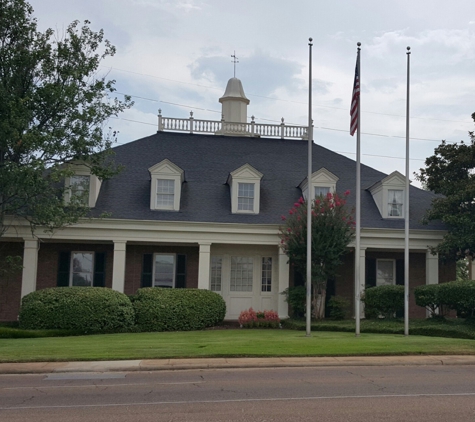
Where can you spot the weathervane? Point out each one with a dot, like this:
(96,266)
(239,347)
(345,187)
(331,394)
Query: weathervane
(235,60)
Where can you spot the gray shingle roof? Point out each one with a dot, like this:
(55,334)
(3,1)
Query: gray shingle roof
(207,161)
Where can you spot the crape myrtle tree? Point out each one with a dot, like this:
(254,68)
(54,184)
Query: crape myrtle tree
(332,231)
(53,110)
(450,172)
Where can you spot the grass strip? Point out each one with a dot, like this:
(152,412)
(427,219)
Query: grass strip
(224,343)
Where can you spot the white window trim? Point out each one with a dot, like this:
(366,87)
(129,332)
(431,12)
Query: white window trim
(220,257)
(71,266)
(253,274)
(322,178)
(174,268)
(380,193)
(80,169)
(394,270)
(166,170)
(245,174)
(271,275)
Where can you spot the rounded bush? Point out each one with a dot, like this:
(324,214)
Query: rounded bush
(460,296)
(158,309)
(428,296)
(84,309)
(385,300)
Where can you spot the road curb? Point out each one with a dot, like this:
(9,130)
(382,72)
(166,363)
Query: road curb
(149,365)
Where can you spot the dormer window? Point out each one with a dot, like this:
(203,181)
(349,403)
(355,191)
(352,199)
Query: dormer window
(389,194)
(83,186)
(323,182)
(321,191)
(246,196)
(165,194)
(245,184)
(167,179)
(394,203)
(80,186)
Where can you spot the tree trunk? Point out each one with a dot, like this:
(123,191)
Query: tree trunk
(318,302)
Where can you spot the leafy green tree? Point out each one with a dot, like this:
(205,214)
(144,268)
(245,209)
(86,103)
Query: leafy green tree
(332,231)
(450,172)
(53,109)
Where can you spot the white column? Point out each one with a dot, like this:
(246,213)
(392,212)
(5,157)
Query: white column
(432,268)
(118,269)
(204,266)
(471,268)
(432,271)
(283,306)
(362,278)
(30,266)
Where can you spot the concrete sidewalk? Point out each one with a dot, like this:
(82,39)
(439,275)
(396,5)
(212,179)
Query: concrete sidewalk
(220,363)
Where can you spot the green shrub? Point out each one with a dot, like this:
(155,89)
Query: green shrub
(338,307)
(460,296)
(84,309)
(384,300)
(428,296)
(296,297)
(159,309)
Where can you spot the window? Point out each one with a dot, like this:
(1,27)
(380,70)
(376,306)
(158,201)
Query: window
(241,274)
(164,271)
(245,187)
(165,194)
(322,182)
(266,277)
(385,272)
(216,268)
(166,179)
(246,196)
(388,195)
(82,269)
(395,203)
(79,186)
(321,191)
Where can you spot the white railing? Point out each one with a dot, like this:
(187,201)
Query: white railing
(251,129)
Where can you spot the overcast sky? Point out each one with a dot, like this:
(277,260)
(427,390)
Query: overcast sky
(176,55)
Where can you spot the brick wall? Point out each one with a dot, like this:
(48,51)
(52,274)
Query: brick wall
(134,259)
(48,256)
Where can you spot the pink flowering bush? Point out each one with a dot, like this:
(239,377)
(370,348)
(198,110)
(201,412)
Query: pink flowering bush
(332,231)
(260,319)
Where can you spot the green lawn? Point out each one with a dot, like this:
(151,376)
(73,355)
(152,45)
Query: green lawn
(224,343)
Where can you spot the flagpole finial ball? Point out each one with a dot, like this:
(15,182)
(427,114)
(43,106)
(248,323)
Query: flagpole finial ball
(408,48)
(310,41)
(358,44)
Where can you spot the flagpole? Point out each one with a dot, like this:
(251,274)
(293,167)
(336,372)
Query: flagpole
(309,195)
(406,210)
(358,204)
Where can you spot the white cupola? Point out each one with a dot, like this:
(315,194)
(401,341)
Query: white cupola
(234,102)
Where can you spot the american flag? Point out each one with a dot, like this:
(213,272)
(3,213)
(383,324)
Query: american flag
(354,110)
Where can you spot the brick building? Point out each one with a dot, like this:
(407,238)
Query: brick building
(202,208)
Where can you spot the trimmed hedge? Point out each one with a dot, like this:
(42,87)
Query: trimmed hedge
(460,296)
(158,309)
(83,309)
(385,300)
(428,296)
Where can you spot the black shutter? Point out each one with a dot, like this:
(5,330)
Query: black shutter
(400,272)
(147,270)
(370,272)
(64,264)
(180,277)
(99,269)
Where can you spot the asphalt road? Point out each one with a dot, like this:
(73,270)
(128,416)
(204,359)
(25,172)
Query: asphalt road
(395,393)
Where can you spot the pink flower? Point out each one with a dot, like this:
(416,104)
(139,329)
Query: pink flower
(291,212)
(347,192)
(296,205)
(301,200)
(298,218)
(282,217)
(314,214)
(329,195)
